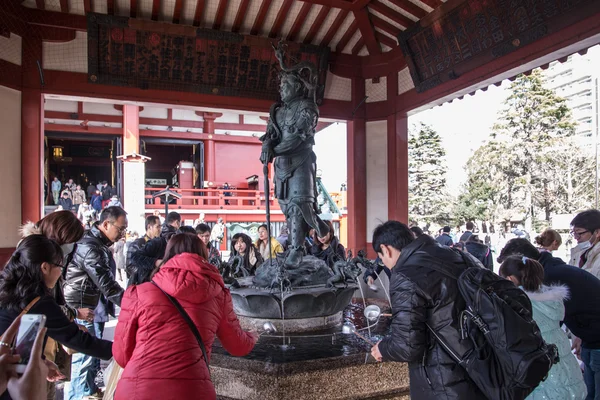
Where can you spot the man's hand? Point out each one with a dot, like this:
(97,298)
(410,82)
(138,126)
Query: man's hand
(576,346)
(375,352)
(85,314)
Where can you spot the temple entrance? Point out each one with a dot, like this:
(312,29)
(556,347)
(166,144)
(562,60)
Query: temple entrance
(166,156)
(84,158)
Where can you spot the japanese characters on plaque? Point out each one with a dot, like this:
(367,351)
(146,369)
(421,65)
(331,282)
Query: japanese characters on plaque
(471,33)
(153,55)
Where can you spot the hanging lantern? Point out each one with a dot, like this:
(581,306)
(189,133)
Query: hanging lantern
(57,152)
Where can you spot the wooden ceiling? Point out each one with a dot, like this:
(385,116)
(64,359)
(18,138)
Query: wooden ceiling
(358,27)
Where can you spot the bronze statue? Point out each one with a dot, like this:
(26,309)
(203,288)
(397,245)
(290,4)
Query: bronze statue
(288,143)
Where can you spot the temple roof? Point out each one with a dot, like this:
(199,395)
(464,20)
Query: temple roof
(359,27)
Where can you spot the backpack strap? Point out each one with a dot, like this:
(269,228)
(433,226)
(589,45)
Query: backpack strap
(189,321)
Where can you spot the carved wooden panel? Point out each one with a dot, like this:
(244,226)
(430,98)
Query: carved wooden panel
(153,55)
(465,34)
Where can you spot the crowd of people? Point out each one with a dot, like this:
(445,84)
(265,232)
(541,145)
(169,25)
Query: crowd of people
(174,303)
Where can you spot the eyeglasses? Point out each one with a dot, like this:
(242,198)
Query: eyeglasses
(578,233)
(120,228)
(58,265)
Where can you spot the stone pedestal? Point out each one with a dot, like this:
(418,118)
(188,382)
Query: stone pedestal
(339,378)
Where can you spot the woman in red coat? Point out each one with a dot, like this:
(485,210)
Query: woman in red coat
(153,343)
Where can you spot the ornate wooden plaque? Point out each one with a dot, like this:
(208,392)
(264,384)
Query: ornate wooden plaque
(465,34)
(154,55)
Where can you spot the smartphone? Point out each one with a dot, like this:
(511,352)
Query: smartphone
(28,330)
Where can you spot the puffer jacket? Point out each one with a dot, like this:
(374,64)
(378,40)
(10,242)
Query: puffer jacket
(159,353)
(90,272)
(565,380)
(481,252)
(143,259)
(421,296)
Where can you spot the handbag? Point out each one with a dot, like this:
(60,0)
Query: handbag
(112,375)
(189,321)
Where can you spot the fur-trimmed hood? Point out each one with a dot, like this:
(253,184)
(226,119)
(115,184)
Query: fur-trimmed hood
(28,229)
(549,300)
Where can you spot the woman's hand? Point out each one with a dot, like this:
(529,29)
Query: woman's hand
(32,384)
(376,353)
(7,359)
(85,314)
(54,373)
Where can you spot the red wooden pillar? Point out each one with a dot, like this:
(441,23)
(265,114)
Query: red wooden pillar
(397,155)
(357,171)
(209,146)
(32,132)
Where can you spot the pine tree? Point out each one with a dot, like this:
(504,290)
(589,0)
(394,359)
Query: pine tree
(426,176)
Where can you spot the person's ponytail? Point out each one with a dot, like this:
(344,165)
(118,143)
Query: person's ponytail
(527,271)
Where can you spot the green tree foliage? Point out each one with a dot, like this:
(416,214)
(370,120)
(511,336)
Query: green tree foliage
(531,167)
(427,197)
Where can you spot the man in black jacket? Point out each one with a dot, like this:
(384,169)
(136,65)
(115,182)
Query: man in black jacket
(444,239)
(153,229)
(88,275)
(582,307)
(151,254)
(422,296)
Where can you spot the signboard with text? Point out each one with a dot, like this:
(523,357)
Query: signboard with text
(466,34)
(155,55)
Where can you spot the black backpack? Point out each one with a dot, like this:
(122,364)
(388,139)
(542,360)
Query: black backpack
(508,358)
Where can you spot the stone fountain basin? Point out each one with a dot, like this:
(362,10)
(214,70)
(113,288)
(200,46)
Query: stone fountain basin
(300,303)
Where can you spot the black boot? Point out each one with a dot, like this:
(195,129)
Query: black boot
(297,232)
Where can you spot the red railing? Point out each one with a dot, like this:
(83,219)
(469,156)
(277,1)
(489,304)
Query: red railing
(236,199)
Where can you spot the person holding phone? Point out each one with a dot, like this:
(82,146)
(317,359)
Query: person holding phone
(26,283)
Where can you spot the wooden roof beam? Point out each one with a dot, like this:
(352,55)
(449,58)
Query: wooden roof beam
(367,32)
(433,3)
(177,11)
(384,25)
(220,15)
(392,14)
(155,9)
(40,4)
(385,39)
(299,22)
(347,36)
(282,14)
(410,8)
(133,8)
(334,28)
(239,17)
(198,13)
(358,46)
(64,6)
(87,6)
(260,17)
(110,5)
(314,29)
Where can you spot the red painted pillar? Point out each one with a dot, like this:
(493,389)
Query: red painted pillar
(131,129)
(209,146)
(397,155)
(357,171)
(32,132)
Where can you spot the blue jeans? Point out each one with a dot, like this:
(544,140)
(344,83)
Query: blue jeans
(84,369)
(591,375)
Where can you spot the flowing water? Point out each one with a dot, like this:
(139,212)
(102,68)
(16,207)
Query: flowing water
(319,344)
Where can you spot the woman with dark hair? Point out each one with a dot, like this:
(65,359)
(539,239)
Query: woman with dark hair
(241,245)
(328,248)
(186,229)
(262,243)
(153,343)
(565,380)
(549,240)
(26,284)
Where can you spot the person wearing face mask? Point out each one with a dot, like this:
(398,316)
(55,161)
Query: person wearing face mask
(26,284)
(586,227)
(90,273)
(241,245)
(328,248)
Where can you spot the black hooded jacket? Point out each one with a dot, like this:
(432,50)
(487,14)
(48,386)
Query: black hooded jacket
(422,296)
(481,252)
(90,272)
(142,260)
(582,308)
